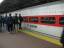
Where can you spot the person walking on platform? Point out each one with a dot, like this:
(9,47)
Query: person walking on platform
(14,24)
(16,21)
(20,21)
(10,23)
(62,38)
(0,23)
(5,21)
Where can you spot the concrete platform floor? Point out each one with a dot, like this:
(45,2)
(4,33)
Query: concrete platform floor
(22,40)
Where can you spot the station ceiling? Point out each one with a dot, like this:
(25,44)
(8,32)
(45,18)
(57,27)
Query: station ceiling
(12,5)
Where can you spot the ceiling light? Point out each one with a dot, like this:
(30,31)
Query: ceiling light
(1,1)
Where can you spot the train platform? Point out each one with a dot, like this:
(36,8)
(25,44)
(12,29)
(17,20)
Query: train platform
(23,40)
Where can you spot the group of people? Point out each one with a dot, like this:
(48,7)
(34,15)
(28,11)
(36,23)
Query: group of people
(12,22)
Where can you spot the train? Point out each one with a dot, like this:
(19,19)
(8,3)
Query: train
(46,18)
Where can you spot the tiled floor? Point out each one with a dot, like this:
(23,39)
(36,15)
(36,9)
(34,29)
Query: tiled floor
(22,40)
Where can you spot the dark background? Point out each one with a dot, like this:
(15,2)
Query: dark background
(12,5)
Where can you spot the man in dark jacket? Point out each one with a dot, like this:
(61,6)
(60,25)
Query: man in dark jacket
(20,21)
(16,21)
(5,21)
(10,23)
(0,23)
(62,38)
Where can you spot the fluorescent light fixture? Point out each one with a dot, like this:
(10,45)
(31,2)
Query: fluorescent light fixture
(1,1)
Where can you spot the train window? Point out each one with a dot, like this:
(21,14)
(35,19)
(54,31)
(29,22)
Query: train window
(44,19)
(25,19)
(48,20)
(34,19)
(61,20)
(52,20)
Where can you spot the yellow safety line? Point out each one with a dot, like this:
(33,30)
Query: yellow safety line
(49,39)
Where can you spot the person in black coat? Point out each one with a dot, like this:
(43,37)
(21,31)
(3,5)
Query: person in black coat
(3,20)
(62,38)
(14,22)
(20,21)
(10,23)
(0,23)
